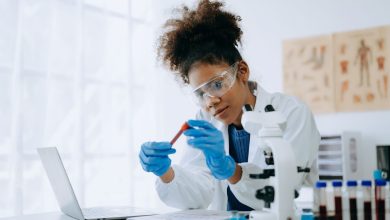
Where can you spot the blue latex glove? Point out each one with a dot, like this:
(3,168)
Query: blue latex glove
(204,136)
(154,157)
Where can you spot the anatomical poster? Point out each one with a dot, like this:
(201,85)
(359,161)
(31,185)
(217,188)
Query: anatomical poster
(308,72)
(348,71)
(362,70)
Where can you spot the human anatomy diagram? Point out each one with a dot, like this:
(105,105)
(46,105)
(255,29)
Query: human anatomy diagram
(346,71)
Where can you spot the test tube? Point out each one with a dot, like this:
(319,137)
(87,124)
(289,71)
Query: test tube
(337,199)
(351,184)
(367,207)
(380,194)
(320,210)
(184,127)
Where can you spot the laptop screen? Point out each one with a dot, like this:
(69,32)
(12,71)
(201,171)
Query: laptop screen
(59,181)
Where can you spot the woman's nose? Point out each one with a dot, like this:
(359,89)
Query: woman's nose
(211,101)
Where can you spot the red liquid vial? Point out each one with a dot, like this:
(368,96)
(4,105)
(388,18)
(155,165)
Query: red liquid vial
(337,185)
(380,214)
(353,208)
(323,212)
(380,195)
(352,184)
(338,208)
(367,208)
(367,211)
(320,209)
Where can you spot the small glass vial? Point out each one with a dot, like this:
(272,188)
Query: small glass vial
(367,207)
(307,214)
(320,209)
(337,185)
(380,196)
(352,184)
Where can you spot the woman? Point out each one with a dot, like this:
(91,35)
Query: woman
(201,46)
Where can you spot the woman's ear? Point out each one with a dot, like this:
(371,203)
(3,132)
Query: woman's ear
(243,71)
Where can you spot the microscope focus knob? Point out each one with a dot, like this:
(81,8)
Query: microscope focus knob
(269,158)
(267,173)
(267,194)
(269,108)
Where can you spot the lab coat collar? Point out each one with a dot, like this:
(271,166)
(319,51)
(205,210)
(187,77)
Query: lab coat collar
(263,98)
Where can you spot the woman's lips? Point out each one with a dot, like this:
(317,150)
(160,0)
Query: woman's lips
(221,112)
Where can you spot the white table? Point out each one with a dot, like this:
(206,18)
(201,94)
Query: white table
(182,215)
(41,216)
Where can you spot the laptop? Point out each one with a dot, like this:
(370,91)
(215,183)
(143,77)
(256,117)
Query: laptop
(67,199)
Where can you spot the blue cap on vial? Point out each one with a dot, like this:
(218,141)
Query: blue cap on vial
(366,182)
(320,184)
(380,182)
(337,183)
(351,183)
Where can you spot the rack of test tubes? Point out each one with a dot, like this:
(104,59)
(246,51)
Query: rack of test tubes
(351,200)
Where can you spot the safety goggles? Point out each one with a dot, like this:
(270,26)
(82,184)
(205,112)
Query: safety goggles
(216,86)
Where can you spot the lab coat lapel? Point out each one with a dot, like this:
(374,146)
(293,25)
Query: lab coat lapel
(223,184)
(224,129)
(262,99)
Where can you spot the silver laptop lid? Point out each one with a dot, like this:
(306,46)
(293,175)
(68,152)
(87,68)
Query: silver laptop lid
(59,181)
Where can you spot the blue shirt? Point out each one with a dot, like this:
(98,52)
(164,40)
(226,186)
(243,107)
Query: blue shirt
(238,149)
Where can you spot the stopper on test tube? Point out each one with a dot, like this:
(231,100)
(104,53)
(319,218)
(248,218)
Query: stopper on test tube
(380,182)
(366,182)
(352,183)
(337,183)
(320,184)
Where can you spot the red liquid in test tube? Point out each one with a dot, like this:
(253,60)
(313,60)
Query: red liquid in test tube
(184,127)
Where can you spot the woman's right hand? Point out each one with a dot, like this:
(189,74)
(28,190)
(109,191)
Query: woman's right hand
(154,157)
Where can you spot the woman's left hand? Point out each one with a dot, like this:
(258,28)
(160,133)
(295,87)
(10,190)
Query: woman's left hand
(205,137)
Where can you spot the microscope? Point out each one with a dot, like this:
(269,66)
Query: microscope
(282,171)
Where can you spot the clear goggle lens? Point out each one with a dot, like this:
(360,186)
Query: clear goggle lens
(217,86)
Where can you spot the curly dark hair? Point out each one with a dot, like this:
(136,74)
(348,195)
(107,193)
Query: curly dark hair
(207,34)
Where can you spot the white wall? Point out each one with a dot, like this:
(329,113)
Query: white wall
(266,24)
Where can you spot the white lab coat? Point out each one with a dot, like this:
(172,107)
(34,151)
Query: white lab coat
(193,186)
